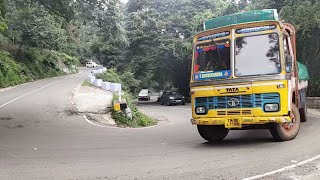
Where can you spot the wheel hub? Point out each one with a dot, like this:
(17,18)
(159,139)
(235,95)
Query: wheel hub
(290,125)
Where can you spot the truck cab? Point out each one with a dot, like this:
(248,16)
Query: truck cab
(245,76)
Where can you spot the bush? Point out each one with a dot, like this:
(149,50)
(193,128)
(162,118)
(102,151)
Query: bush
(31,64)
(39,64)
(129,83)
(10,71)
(70,62)
(110,76)
(138,118)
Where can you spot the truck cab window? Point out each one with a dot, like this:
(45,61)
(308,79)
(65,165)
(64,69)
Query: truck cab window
(213,56)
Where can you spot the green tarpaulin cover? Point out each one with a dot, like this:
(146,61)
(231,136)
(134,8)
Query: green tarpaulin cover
(242,17)
(303,72)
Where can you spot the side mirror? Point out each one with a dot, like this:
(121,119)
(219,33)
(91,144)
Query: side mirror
(289,63)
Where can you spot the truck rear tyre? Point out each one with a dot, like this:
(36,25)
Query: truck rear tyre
(213,133)
(287,131)
(303,114)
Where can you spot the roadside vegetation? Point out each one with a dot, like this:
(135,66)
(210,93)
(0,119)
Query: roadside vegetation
(129,83)
(33,44)
(139,119)
(32,64)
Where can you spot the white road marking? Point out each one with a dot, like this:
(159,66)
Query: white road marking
(111,127)
(85,117)
(181,109)
(22,96)
(284,168)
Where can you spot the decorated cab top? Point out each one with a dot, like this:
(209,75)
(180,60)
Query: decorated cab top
(242,17)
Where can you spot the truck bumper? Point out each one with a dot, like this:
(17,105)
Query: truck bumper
(237,122)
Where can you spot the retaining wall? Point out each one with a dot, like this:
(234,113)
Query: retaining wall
(313,102)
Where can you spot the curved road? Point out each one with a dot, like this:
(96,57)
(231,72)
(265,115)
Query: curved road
(41,138)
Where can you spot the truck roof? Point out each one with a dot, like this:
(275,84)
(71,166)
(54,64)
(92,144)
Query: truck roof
(240,18)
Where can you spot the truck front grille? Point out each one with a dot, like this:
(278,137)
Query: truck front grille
(239,101)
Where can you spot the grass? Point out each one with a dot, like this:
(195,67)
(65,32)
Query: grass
(139,119)
(86,83)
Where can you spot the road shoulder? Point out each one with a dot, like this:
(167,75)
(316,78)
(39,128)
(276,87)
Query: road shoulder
(94,103)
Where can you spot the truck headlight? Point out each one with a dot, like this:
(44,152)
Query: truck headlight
(171,98)
(271,107)
(201,110)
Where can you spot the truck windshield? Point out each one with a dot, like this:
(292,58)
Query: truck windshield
(212,60)
(257,55)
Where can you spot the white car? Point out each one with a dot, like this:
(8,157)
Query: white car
(91,65)
(144,95)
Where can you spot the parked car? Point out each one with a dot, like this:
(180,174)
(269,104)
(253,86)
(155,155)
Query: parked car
(91,65)
(144,95)
(172,98)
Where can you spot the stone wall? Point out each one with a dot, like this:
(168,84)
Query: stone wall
(313,102)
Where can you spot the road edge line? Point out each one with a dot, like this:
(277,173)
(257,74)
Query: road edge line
(29,93)
(284,168)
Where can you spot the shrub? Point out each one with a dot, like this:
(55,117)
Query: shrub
(69,61)
(139,119)
(31,64)
(110,76)
(10,71)
(40,64)
(129,83)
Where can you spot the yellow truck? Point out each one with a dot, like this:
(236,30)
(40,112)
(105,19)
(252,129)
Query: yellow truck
(245,76)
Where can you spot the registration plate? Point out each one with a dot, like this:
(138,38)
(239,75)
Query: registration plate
(233,123)
(178,100)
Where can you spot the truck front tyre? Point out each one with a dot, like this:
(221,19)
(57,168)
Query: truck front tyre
(287,131)
(212,133)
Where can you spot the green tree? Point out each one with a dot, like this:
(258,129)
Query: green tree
(108,47)
(305,15)
(3,23)
(31,25)
(266,4)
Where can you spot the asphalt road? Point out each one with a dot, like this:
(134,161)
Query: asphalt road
(41,138)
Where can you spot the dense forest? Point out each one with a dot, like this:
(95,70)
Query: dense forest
(148,42)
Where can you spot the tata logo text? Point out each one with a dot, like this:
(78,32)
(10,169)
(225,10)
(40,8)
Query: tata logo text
(233,102)
(233,90)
